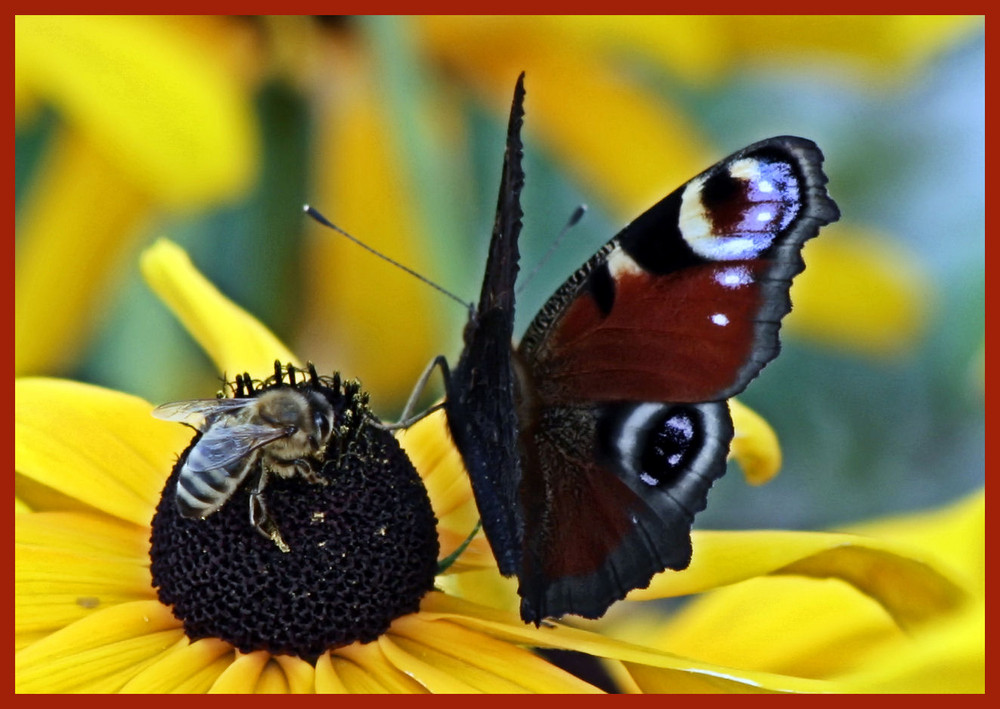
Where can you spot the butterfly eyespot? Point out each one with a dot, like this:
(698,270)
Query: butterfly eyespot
(670,447)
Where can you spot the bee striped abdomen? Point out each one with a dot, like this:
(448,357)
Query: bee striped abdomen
(202,492)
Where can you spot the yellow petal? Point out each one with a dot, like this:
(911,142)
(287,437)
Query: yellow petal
(948,656)
(901,578)
(55,588)
(848,298)
(107,450)
(688,672)
(954,534)
(787,625)
(117,641)
(151,95)
(272,680)
(755,446)
(370,659)
(327,679)
(429,447)
(472,659)
(260,673)
(439,675)
(241,676)
(234,340)
(190,668)
(83,534)
(823,628)
(78,219)
(871,47)
(339,674)
(300,676)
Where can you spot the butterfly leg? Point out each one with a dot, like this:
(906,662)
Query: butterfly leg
(446,562)
(259,516)
(407,418)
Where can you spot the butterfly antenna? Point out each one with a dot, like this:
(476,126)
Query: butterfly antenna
(573,220)
(327,223)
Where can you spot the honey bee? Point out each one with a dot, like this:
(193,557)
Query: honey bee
(282,430)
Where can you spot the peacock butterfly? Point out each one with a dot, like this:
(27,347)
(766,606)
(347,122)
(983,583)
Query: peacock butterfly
(593,443)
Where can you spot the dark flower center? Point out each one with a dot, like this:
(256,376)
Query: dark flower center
(362,548)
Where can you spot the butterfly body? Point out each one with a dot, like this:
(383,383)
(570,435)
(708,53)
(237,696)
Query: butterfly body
(592,444)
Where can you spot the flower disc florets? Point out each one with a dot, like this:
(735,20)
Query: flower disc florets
(362,542)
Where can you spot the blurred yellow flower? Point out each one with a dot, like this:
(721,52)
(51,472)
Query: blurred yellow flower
(159,115)
(150,118)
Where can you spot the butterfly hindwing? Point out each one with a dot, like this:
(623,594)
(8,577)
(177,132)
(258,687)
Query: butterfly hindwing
(610,493)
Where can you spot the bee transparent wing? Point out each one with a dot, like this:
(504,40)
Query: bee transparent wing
(221,446)
(197,412)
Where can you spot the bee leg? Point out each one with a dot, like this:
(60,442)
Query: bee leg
(259,516)
(304,468)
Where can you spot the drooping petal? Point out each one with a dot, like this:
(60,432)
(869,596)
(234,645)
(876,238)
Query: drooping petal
(687,673)
(826,629)
(336,674)
(300,676)
(241,676)
(755,445)
(901,578)
(234,339)
(946,657)
(955,535)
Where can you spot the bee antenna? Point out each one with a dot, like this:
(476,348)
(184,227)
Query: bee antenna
(327,223)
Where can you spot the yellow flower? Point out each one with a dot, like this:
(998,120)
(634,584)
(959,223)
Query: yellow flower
(90,464)
(150,118)
(917,626)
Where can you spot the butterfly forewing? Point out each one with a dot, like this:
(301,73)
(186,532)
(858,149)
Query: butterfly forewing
(684,304)
(480,389)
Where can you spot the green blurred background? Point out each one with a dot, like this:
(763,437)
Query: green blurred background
(881,425)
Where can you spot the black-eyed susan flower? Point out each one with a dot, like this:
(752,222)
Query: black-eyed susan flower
(91,464)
